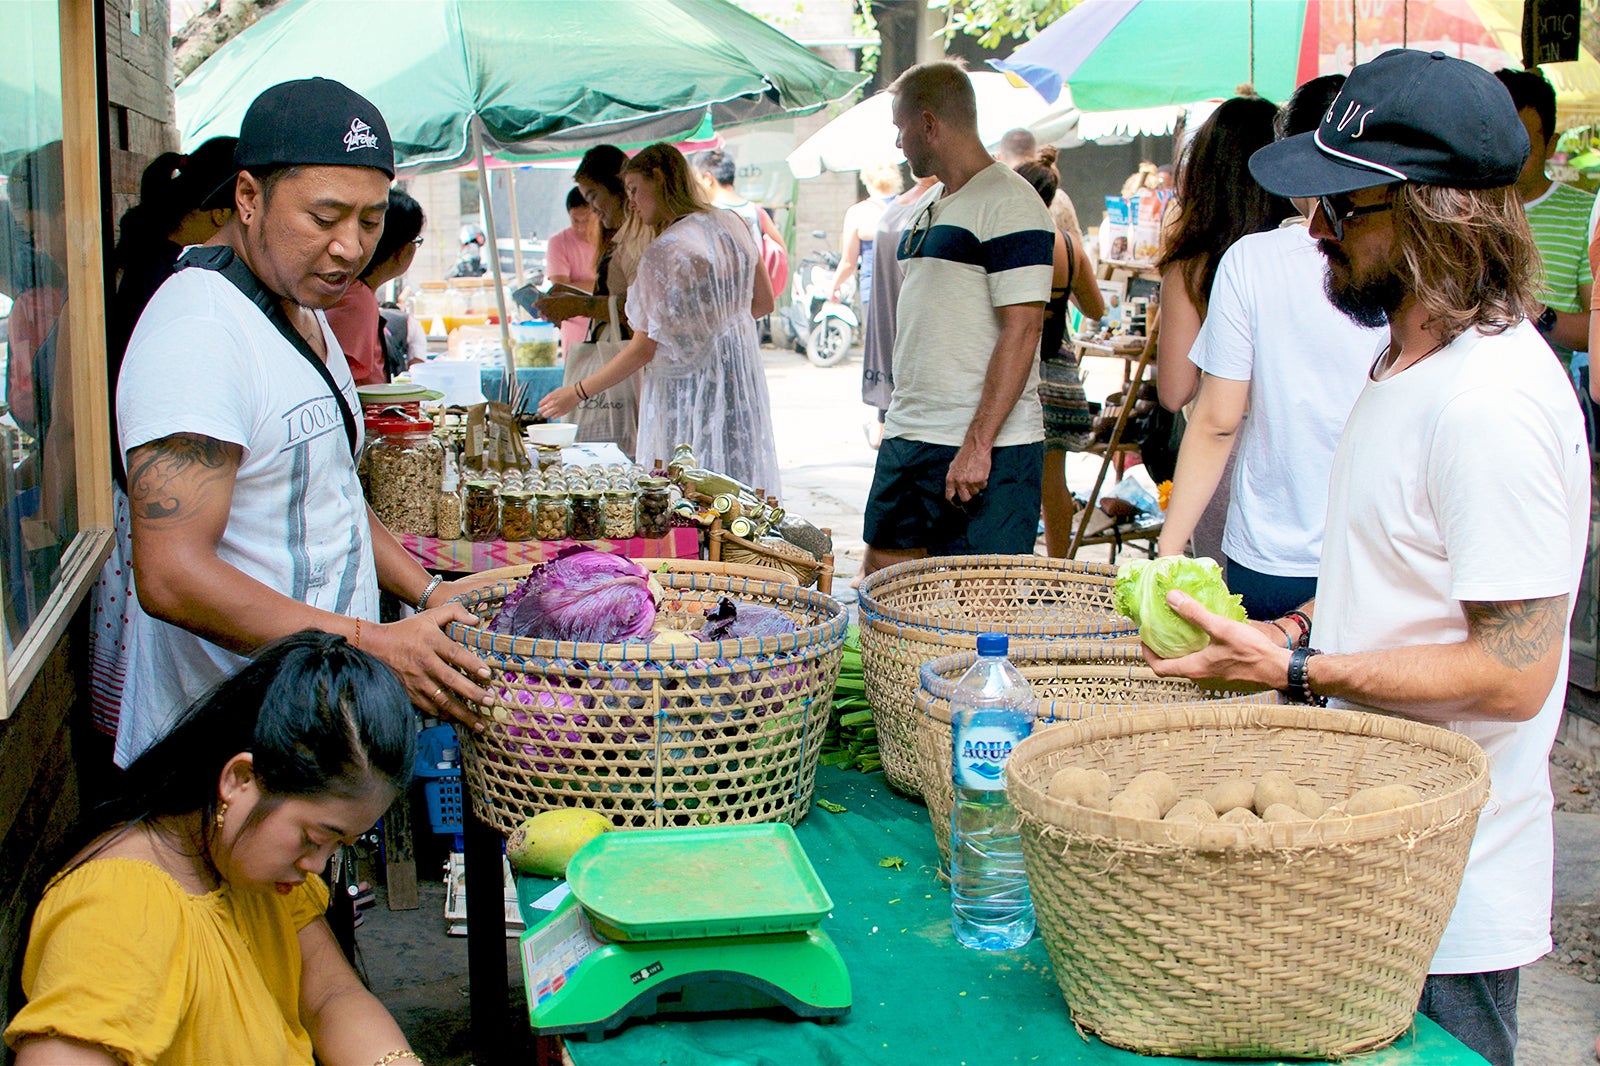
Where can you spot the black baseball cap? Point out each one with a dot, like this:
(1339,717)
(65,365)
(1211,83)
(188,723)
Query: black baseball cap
(314,122)
(1407,115)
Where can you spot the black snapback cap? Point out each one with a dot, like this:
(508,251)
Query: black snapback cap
(314,122)
(1407,115)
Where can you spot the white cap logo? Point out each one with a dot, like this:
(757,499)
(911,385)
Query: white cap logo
(360,135)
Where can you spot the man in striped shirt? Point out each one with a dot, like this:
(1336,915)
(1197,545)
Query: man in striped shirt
(1558,215)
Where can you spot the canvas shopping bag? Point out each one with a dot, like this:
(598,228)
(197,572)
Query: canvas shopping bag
(612,415)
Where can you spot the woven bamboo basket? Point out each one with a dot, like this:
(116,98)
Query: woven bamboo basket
(803,567)
(924,608)
(657,735)
(1073,681)
(1290,939)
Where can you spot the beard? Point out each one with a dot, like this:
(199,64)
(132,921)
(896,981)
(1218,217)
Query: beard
(1367,300)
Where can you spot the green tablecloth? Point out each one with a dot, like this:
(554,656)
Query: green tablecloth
(919,998)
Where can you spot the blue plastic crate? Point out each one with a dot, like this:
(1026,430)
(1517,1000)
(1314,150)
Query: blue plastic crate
(441,787)
(443,796)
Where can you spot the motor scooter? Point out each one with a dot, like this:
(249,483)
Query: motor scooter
(818,325)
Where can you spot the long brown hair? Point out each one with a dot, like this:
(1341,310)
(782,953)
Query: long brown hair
(1467,256)
(678,193)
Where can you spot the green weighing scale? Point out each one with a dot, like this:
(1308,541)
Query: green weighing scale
(679,921)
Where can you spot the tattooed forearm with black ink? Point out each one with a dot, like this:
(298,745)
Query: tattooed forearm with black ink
(1518,633)
(170,478)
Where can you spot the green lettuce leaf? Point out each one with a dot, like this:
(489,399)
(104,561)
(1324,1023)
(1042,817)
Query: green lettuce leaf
(1141,591)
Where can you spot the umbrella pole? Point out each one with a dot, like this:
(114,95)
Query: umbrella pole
(516,230)
(509,384)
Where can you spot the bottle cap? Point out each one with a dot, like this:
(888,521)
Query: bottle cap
(993,644)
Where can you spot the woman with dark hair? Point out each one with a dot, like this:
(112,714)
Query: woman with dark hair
(570,261)
(1216,203)
(356,319)
(187,926)
(695,303)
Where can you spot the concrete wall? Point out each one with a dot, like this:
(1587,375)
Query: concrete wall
(139,87)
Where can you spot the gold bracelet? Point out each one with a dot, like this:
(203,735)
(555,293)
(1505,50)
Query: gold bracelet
(396,1055)
(356,643)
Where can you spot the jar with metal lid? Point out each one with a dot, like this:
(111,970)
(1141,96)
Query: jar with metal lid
(548,457)
(588,516)
(404,474)
(481,510)
(516,515)
(654,513)
(552,514)
(617,505)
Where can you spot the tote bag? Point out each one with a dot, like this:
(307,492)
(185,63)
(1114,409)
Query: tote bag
(612,415)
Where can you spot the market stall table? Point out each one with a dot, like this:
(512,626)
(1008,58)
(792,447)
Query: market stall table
(476,556)
(918,997)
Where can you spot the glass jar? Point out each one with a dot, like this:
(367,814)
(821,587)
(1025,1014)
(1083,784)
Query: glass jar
(449,511)
(548,457)
(617,506)
(481,510)
(516,515)
(552,514)
(588,517)
(404,474)
(430,306)
(654,513)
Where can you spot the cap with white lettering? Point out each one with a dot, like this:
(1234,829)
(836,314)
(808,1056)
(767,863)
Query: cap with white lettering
(313,122)
(1407,115)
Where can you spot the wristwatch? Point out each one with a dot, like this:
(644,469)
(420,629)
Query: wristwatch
(1546,320)
(1299,687)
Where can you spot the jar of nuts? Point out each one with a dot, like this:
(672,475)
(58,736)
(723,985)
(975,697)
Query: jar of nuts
(449,510)
(481,510)
(516,515)
(654,515)
(588,517)
(617,505)
(552,514)
(404,465)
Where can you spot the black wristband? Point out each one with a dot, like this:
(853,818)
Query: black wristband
(1302,620)
(1299,687)
(1546,320)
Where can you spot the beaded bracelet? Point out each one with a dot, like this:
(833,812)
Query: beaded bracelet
(396,1055)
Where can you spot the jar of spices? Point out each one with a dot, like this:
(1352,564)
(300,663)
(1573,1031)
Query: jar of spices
(516,515)
(404,473)
(449,510)
(548,456)
(617,504)
(654,513)
(481,510)
(588,518)
(552,514)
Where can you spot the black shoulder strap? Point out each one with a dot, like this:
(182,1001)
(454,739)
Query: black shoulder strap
(230,266)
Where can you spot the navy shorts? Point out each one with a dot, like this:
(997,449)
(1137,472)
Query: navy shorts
(907,509)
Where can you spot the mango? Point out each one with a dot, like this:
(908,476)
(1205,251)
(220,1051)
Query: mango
(544,844)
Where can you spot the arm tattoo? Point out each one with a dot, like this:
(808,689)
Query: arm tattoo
(173,473)
(1518,633)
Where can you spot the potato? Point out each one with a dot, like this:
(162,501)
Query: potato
(1136,805)
(1310,803)
(1191,810)
(1225,796)
(1282,812)
(1086,788)
(1381,798)
(1157,785)
(1240,816)
(1274,787)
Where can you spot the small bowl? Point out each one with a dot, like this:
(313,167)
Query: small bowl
(559,433)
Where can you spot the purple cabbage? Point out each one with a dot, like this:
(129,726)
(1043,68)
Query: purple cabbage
(731,620)
(581,595)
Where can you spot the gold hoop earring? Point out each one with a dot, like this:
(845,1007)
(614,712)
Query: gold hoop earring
(222,814)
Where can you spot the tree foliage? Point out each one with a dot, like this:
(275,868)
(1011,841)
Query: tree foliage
(992,21)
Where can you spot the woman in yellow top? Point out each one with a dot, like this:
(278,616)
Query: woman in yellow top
(189,929)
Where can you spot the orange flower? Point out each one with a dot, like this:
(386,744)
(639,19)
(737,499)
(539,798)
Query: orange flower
(1164,494)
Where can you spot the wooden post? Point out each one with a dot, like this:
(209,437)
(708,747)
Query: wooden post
(400,855)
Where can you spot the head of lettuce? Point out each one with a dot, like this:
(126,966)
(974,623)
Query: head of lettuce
(1141,594)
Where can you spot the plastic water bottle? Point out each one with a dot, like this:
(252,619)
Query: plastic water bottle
(992,710)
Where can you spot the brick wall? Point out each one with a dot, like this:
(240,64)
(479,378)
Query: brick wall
(139,88)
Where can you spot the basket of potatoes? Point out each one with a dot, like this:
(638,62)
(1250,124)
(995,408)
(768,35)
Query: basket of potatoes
(1073,680)
(1238,880)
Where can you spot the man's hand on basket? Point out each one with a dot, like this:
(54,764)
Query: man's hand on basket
(438,673)
(1239,651)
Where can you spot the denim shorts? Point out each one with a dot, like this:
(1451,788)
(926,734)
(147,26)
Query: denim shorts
(907,509)
(1478,1009)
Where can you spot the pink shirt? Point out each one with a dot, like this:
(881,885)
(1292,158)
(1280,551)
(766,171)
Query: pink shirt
(574,258)
(354,320)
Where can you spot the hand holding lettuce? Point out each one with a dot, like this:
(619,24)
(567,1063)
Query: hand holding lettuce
(1141,594)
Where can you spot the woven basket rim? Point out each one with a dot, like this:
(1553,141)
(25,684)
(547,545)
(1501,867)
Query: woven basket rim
(1115,832)
(1115,625)
(945,566)
(939,677)
(480,639)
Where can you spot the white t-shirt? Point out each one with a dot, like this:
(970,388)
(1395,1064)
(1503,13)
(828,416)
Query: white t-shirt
(989,244)
(204,360)
(1269,322)
(1465,477)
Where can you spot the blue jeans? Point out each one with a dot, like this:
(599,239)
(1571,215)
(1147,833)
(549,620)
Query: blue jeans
(1478,1009)
(1267,596)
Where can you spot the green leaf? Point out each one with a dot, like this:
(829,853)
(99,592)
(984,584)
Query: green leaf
(892,862)
(831,807)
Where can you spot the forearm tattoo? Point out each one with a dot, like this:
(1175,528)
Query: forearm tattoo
(1518,633)
(171,475)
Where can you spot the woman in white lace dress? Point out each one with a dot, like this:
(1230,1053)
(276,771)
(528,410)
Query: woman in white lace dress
(693,308)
